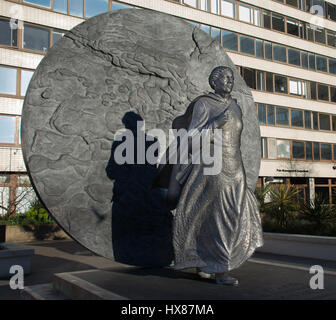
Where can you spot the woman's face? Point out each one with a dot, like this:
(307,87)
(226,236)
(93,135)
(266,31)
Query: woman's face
(224,84)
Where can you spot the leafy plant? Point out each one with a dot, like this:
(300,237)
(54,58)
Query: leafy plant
(37,215)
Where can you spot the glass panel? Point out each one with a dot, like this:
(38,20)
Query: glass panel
(4,178)
(316,147)
(323,92)
(326,153)
(324,121)
(280,84)
(321,181)
(298,150)
(7,129)
(35,38)
(95,7)
(191,3)
(282,116)
(229,8)
(247,45)
(262,113)
(312,61)
(8,35)
(205,5)
(261,80)
(76,8)
(304,60)
(283,147)
(25,79)
(321,64)
(303,30)
(323,192)
(331,11)
(260,49)
(269,82)
(215,6)
(333,119)
(257,17)
(307,115)
(215,33)
(278,22)
(293,3)
(8,80)
(334,156)
(43,3)
(309,150)
(249,76)
(279,53)
(56,35)
(245,14)
(333,94)
(297,118)
(23,179)
(294,57)
(263,147)
(315,121)
(61,6)
(205,28)
(332,66)
(313,93)
(268,51)
(320,35)
(310,32)
(270,115)
(295,87)
(4,199)
(292,27)
(119,6)
(267,19)
(332,38)
(229,40)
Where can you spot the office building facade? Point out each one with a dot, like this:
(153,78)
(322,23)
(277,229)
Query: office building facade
(284,49)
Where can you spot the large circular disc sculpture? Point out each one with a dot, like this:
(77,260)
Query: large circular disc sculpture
(104,75)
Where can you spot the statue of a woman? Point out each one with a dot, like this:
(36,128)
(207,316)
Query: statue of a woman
(217,224)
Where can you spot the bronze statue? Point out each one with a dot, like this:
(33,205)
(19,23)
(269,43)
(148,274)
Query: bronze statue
(217,225)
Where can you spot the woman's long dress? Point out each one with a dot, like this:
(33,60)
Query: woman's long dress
(217,224)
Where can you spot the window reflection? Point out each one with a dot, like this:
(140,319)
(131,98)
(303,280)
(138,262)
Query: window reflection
(7,129)
(25,79)
(8,80)
(76,8)
(8,35)
(43,3)
(95,7)
(35,38)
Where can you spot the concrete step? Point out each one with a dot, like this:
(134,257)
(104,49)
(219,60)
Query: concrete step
(42,292)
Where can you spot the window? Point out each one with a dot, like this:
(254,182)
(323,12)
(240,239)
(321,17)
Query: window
(56,35)
(334,127)
(260,49)
(270,115)
(304,60)
(25,79)
(316,149)
(332,66)
(323,92)
(191,3)
(293,27)
(282,116)
(261,80)
(294,57)
(76,8)
(229,8)
(8,35)
(249,76)
(309,150)
(61,6)
(326,153)
(43,3)
(264,148)
(297,118)
(205,5)
(230,40)
(7,129)
(205,28)
(95,7)
(267,19)
(119,6)
(283,147)
(303,30)
(262,113)
(310,32)
(245,13)
(333,94)
(215,33)
(311,61)
(278,22)
(315,121)
(298,150)
(297,87)
(257,17)
(8,78)
(268,51)
(269,82)
(279,53)
(215,6)
(313,92)
(247,45)
(293,3)
(331,11)
(307,116)
(320,35)
(321,64)
(280,84)
(35,38)
(324,121)
(331,38)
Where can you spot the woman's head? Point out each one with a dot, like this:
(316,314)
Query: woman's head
(221,79)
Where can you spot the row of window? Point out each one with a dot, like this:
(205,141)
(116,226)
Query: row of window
(276,83)
(14,81)
(273,148)
(282,116)
(322,8)
(78,8)
(10,129)
(266,19)
(34,37)
(270,51)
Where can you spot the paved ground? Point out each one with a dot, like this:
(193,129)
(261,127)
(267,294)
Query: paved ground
(262,277)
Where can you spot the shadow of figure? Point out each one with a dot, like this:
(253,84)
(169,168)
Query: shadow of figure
(141,222)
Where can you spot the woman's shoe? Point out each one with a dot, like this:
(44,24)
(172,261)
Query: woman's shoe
(224,279)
